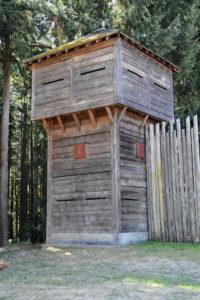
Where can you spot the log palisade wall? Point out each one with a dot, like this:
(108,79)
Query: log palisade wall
(110,72)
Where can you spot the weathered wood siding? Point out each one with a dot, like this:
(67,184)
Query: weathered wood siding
(93,76)
(52,87)
(146,84)
(72,82)
(133,175)
(81,195)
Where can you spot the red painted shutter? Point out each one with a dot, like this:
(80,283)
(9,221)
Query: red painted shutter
(79,151)
(139,150)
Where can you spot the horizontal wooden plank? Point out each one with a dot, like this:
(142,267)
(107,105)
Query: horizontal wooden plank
(80,189)
(82,178)
(133,183)
(88,139)
(92,186)
(54,95)
(83,205)
(42,108)
(93,54)
(80,164)
(96,98)
(126,204)
(127,58)
(101,101)
(55,69)
(95,81)
(133,227)
(49,89)
(134,54)
(93,61)
(82,229)
(89,170)
(82,196)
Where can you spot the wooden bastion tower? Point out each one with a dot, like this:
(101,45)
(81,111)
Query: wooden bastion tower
(94,96)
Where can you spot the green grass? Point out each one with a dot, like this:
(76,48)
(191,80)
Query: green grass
(168,268)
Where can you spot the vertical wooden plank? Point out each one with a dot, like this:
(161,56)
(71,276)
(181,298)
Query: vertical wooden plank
(154,193)
(72,80)
(117,68)
(49,184)
(190,181)
(165,182)
(149,82)
(181,182)
(173,176)
(177,199)
(33,91)
(159,183)
(197,171)
(169,189)
(194,186)
(115,161)
(149,184)
(196,142)
(185,179)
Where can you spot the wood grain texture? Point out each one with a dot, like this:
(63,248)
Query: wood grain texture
(81,189)
(178,160)
(132,175)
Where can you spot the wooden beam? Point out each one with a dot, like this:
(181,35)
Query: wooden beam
(92,119)
(144,122)
(60,122)
(121,114)
(107,108)
(76,121)
(46,126)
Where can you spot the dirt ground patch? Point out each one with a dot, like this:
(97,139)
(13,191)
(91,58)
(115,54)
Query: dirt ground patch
(143,271)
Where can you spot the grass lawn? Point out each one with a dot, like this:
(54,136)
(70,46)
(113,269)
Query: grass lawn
(148,270)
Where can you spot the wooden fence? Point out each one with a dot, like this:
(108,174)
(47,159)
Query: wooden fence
(173,178)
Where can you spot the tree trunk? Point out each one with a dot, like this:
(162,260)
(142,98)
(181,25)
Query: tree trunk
(35,180)
(4,155)
(24,175)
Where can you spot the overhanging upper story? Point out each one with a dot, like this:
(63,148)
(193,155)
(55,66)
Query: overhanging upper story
(102,69)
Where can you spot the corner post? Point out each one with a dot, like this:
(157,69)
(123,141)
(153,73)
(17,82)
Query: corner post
(115,161)
(49,182)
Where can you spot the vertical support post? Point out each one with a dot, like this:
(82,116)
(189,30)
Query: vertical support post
(72,80)
(190,180)
(49,183)
(33,91)
(197,172)
(115,161)
(117,68)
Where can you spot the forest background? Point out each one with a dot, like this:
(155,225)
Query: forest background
(171,28)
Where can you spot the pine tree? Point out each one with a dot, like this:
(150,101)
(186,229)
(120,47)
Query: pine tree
(20,23)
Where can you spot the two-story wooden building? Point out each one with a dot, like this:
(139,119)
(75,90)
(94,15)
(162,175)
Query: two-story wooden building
(94,97)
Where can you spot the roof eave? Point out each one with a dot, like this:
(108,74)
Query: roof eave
(87,41)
